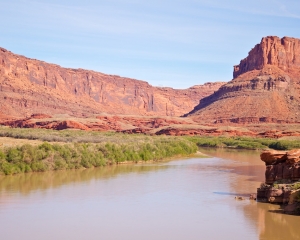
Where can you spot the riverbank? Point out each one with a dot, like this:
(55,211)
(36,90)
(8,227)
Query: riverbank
(59,156)
(25,150)
(81,136)
(250,143)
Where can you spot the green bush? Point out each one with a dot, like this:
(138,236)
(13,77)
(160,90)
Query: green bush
(295,186)
(38,166)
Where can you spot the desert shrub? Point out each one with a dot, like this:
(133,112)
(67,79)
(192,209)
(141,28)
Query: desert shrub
(9,168)
(60,164)
(46,147)
(38,166)
(2,155)
(244,142)
(14,155)
(57,156)
(284,145)
(295,186)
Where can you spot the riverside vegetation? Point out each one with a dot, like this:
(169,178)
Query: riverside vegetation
(245,143)
(69,149)
(80,149)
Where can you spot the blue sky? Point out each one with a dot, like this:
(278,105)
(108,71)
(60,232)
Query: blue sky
(176,43)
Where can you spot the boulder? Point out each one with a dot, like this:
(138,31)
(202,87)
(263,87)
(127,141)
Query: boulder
(273,157)
(274,193)
(293,156)
(286,195)
(261,193)
(294,196)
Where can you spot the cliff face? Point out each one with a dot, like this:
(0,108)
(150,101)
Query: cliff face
(29,86)
(283,53)
(266,87)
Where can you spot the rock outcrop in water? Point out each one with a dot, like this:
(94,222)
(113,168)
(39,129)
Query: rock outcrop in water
(29,86)
(282,179)
(265,88)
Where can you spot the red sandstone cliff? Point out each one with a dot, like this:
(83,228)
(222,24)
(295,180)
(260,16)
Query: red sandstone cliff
(29,86)
(282,53)
(265,88)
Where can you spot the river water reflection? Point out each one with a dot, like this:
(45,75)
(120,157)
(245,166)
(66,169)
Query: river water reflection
(180,199)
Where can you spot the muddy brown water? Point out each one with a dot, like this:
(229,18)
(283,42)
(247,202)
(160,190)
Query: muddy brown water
(189,198)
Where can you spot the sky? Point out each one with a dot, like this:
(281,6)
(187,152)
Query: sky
(178,43)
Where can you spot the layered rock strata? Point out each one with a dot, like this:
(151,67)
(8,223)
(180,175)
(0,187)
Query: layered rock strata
(29,86)
(283,53)
(126,124)
(265,88)
(282,179)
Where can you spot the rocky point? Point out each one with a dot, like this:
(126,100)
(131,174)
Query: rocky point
(282,179)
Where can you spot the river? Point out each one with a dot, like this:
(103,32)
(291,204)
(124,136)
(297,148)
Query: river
(190,198)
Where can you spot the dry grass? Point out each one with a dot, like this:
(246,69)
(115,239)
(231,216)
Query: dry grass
(76,136)
(290,138)
(13,142)
(273,126)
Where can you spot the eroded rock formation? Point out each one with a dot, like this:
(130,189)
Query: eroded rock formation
(282,179)
(283,53)
(29,86)
(265,88)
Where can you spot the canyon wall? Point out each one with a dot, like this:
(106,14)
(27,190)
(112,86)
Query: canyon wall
(29,86)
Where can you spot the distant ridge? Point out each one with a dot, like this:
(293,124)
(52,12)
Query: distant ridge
(29,86)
